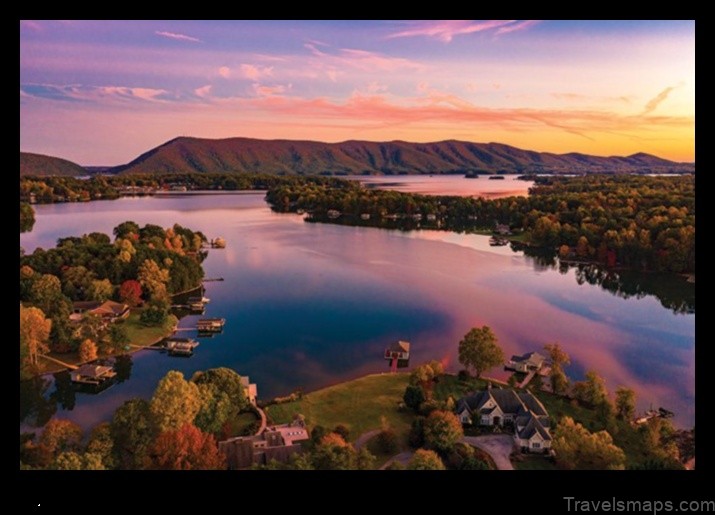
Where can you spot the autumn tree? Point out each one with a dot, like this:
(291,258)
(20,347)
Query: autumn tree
(61,435)
(625,403)
(442,430)
(424,459)
(479,350)
(34,333)
(186,448)
(126,230)
(87,350)
(132,434)
(175,402)
(154,279)
(559,358)
(578,449)
(130,292)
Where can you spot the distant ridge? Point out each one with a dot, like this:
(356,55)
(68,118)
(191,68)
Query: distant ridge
(247,155)
(39,164)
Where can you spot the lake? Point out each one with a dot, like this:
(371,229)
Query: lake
(308,305)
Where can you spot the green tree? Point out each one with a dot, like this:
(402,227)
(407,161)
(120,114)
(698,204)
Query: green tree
(625,403)
(126,230)
(442,430)
(578,449)
(132,433)
(46,294)
(414,396)
(479,351)
(34,333)
(101,444)
(175,402)
(592,391)
(118,337)
(70,460)
(425,460)
(76,282)
(100,290)
(27,217)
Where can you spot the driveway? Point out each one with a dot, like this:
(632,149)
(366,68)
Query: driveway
(499,447)
(403,457)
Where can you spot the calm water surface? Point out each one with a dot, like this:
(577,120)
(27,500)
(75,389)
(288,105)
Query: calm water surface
(308,305)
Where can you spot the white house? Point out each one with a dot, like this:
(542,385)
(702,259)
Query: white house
(505,407)
(526,363)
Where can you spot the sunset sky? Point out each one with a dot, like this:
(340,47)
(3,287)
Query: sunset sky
(103,92)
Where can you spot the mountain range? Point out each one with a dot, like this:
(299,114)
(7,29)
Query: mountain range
(247,155)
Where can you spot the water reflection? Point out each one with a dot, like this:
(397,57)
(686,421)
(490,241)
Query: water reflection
(672,291)
(39,401)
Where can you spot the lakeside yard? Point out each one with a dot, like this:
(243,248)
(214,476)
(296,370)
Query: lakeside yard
(140,336)
(359,404)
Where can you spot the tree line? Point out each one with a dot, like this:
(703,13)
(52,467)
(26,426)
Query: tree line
(638,222)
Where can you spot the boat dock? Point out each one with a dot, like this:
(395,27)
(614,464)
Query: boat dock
(210,325)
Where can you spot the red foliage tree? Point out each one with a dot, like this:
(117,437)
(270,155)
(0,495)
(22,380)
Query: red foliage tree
(186,449)
(130,292)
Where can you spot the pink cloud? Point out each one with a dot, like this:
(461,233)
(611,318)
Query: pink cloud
(522,25)
(266,91)
(203,91)
(445,30)
(224,71)
(177,36)
(253,72)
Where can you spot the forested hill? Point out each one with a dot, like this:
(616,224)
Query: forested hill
(41,165)
(183,155)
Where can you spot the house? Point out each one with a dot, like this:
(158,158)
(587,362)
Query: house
(398,350)
(526,363)
(502,230)
(333,214)
(365,216)
(521,411)
(108,311)
(92,374)
(250,389)
(431,217)
(275,443)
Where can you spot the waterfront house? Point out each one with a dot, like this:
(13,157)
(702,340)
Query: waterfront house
(520,411)
(532,361)
(92,374)
(399,350)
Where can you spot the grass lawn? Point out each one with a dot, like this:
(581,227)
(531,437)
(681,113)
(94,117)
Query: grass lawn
(242,422)
(450,385)
(141,335)
(358,404)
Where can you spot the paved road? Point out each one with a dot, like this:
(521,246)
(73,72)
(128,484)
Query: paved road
(365,437)
(499,447)
(403,457)
(262,427)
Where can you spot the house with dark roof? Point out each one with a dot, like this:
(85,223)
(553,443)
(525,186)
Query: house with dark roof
(531,361)
(521,411)
(277,443)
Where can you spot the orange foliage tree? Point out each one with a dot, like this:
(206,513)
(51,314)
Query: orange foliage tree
(186,449)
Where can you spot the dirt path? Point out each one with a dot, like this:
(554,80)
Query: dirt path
(403,457)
